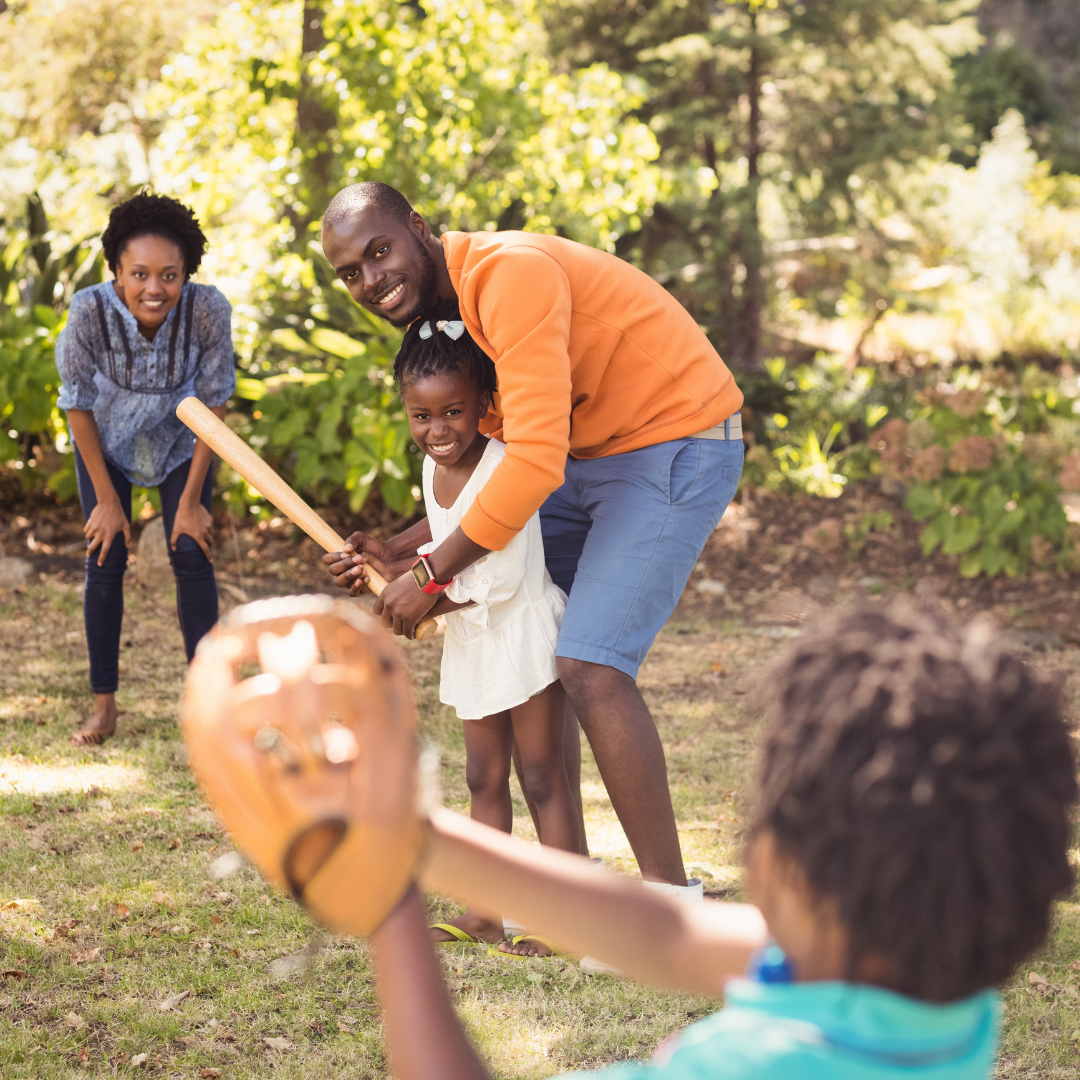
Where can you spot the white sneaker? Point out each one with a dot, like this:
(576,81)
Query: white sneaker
(693,892)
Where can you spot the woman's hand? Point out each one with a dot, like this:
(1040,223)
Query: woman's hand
(346,566)
(105,521)
(194,520)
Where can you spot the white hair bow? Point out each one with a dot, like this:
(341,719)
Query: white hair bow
(453,329)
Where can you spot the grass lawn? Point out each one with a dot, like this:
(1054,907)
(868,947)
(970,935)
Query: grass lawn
(111,907)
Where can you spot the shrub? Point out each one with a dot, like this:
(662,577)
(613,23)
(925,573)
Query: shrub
(982,457)
(36,284)
(323,406)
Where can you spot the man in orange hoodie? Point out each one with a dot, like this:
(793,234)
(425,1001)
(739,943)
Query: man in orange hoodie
(621,428)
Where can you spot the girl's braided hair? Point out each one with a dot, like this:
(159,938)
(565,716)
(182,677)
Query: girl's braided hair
(154,215)
(419,357)
(921,778)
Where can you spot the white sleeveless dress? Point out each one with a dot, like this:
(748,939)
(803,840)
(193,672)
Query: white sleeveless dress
(500,651)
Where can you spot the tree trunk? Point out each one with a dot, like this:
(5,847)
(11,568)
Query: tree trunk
(314,123)
(753,294)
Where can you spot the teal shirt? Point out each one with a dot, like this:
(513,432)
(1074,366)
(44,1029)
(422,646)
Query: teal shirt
(831,1031)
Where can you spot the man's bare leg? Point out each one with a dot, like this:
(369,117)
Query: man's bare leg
(630,757)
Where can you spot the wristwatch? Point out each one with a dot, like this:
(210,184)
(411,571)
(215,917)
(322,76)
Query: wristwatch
(421,570)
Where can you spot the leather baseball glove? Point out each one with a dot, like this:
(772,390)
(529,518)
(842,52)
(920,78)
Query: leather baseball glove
(300,728)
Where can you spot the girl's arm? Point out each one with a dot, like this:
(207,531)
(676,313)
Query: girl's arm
(394,556)
(108,517)
(192,518)
(651,937)
(423,1034)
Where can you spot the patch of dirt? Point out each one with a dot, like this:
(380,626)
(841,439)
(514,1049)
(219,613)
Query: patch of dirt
(776,560)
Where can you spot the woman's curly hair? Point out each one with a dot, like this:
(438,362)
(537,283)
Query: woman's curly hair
(154,215)
(419,357)
(921,778)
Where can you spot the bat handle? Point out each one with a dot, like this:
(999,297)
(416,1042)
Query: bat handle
(376,582)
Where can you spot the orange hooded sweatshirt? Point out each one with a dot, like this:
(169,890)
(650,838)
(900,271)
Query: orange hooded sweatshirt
(593,358)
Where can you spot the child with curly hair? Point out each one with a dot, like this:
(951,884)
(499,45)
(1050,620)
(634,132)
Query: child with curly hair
(131,350)
(909,834)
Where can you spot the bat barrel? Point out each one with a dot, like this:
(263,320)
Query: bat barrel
(231,448)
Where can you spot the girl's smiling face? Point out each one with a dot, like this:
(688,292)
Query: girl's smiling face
(149,277)
(444,411)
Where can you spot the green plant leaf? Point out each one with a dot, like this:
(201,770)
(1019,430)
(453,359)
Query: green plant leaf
(971,564)
(922,500)
(964,537)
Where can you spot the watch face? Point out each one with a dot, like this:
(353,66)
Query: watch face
(420,573)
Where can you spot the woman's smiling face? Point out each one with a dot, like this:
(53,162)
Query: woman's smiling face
(445,410)
(149,277)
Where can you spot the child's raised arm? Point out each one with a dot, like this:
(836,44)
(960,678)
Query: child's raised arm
(648,936)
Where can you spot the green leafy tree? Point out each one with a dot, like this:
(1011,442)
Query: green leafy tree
(772,107)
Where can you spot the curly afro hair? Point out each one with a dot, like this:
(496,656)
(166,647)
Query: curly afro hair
(921,778)
(419,357)
(154,215)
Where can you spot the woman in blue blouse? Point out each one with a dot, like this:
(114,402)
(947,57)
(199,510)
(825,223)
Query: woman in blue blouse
(131,350)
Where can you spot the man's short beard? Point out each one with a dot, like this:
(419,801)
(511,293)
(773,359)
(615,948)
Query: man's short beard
(427,287)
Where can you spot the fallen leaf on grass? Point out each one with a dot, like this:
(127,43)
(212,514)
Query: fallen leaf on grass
(1036,979)
(235,953)
(137,846)
(254,933)
(85,957)
(717,668)
(122,912)
(15,973)
(139,1060)
(84,1057)
(170,1003)
(208,1074)
(163,900)
(175,843)
(26,902)
(75,1021)
(216,920)
(278,1043)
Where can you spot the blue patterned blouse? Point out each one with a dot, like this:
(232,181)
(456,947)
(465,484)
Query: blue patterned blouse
(133,386)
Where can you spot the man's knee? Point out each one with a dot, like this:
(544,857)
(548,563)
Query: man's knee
(586,682)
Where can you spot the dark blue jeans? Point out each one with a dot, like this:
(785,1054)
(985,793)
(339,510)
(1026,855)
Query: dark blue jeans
(103,596)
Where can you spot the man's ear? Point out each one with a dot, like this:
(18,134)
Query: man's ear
(419,226)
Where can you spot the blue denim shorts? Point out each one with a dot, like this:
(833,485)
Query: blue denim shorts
(621,536)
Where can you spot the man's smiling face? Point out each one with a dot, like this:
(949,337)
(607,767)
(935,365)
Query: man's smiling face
(384,263)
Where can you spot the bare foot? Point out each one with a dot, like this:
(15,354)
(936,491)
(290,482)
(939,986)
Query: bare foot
(101,725)
(476,926)
(528,945)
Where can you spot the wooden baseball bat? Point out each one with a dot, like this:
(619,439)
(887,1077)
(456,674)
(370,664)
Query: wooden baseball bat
(228,445)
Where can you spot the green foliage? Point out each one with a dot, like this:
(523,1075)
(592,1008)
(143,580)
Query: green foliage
(982,457)
(35,283)
(772,114)
(328,417)
(814,419)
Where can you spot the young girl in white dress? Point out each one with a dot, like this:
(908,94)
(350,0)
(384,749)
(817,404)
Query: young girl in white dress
(502,613)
